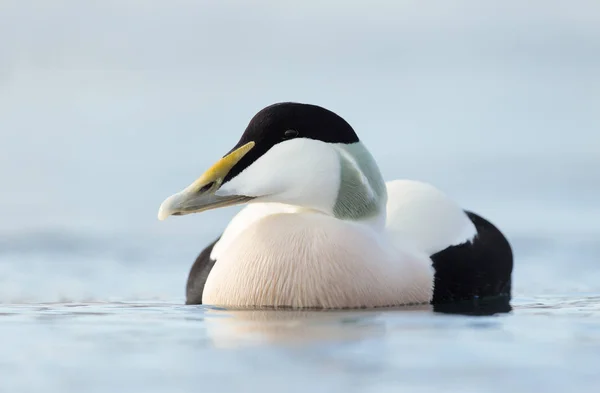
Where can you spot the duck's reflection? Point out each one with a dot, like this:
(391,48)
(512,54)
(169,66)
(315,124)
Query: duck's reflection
(476,307)
(232,327)
(229,327)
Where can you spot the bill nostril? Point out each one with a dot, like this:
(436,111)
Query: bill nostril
(206,187)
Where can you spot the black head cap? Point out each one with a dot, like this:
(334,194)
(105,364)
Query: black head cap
(288,120)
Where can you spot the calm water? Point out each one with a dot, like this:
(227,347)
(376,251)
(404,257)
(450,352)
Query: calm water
(549,343)
(108,107)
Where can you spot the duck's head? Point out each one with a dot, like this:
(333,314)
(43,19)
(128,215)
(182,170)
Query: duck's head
(291,153)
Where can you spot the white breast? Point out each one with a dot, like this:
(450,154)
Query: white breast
(314,260)
(250,214)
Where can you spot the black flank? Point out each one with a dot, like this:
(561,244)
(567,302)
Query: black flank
(473,270)
(198,275)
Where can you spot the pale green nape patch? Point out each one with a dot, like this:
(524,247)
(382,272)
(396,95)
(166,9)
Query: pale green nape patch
(362,192)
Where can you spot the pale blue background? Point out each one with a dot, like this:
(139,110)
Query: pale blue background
(108,107)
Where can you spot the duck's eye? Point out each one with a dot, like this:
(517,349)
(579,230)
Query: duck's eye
(290,134)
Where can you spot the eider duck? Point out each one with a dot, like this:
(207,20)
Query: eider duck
(322,229)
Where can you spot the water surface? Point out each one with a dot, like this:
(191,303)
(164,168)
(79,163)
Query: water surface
(547,343)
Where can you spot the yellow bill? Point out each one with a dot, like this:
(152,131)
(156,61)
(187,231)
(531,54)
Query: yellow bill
(200,195)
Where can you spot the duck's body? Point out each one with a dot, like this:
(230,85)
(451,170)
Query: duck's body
(323,230)
(473,261)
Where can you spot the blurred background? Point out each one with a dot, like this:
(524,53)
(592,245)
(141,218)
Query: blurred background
(107,107)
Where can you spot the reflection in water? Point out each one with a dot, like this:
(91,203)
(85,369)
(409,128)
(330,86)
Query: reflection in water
(476,307)
(229,328)
(290,327)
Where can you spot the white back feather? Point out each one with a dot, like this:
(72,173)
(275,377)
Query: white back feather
(420,215)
